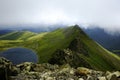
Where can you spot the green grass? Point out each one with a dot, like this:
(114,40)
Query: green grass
(6,44)
(17,35)
(99,57)
(45,44)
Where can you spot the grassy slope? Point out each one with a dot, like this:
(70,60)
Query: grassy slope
(14,39)
(45,44)
(6,44)
(49,43)
(17,35)
(99,58)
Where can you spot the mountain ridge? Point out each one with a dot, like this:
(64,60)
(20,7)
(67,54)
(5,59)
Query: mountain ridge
(104,38)
(84,51)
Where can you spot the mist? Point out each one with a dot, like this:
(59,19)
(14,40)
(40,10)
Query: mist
(101,13)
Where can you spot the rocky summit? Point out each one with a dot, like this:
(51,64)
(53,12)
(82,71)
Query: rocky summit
(45,71)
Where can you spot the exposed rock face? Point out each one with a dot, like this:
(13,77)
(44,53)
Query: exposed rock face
(78,46)
(67,56)
(32,71)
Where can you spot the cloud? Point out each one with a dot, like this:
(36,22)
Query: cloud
(104,13)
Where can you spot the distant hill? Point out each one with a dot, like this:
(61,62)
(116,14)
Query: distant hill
(110,42)
(5,31)
(17,35)
(67,46)
(33,28)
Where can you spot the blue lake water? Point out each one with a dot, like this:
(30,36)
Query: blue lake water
(20,55)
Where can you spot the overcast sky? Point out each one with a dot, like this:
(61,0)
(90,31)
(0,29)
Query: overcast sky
(105,13)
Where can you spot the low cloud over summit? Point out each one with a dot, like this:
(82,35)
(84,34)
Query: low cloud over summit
(103,13)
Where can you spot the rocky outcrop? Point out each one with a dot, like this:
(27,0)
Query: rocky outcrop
(7,69)
(68,56)
(32,71)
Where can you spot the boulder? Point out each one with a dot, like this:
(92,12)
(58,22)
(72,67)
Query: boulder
(101,78)
(82,71)
(7,69)
(113,77)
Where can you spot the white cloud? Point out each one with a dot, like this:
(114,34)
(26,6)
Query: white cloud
(105,13)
